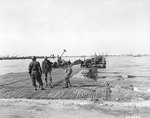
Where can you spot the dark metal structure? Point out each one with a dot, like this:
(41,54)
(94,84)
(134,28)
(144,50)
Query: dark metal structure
(98,61)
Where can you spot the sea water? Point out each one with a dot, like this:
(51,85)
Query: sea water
(21,65)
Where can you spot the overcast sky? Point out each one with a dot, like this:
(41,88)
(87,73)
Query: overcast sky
(82,27)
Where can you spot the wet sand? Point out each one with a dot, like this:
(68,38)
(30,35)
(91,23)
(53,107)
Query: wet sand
(123,100)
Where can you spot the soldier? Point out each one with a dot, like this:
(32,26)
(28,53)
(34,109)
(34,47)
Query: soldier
(69,62)
(81,64)
(47,69)
(35,73)
(67,76)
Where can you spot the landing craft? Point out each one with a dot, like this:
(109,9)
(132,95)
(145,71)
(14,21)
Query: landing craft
(138,55)
(97,61)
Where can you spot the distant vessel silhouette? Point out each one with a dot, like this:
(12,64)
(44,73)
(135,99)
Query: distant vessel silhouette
(137,55)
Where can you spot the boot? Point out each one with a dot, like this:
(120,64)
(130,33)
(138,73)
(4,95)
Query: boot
(69,83)
(51,85)
(42,88)
(35,88)
(66,85)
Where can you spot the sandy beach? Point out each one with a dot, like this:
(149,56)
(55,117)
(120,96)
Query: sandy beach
(25,108)
(18,97)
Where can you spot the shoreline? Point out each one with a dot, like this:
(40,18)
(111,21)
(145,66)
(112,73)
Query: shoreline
(41,57)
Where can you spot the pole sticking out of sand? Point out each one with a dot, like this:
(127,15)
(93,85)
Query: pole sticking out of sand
(63,52)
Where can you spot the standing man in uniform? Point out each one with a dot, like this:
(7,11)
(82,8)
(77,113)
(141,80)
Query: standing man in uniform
(59,61)
(67,76)
(47,69)
(35,73)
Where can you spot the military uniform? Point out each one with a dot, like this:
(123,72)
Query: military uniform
(67,76)
(35,73)
(46,69)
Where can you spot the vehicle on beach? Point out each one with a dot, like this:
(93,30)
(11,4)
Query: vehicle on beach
(60,63)
(97,61)
(137,55)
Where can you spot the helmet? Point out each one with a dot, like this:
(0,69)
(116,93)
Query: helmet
(33,57)
(45,57)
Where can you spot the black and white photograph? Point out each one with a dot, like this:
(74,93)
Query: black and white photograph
(74,58)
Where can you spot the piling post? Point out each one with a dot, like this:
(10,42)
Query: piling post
(108,91)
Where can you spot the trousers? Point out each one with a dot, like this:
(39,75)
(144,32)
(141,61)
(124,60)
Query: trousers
(36,76)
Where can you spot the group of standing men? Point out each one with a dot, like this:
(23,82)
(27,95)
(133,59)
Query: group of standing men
(36,71)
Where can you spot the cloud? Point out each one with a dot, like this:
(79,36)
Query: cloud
(36,27)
